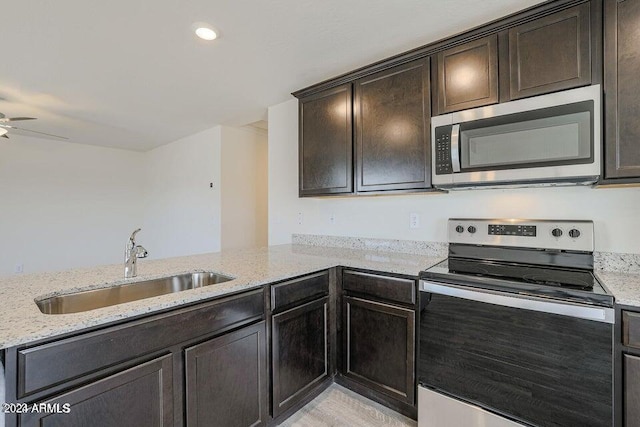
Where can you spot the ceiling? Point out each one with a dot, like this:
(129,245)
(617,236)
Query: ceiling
(131,74)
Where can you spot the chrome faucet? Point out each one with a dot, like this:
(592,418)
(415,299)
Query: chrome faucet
(131,254)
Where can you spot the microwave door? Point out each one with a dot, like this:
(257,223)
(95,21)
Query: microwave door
(553,144)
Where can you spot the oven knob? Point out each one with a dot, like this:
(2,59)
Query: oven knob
(460,229)
(471,229)
(574,233)
(556,232)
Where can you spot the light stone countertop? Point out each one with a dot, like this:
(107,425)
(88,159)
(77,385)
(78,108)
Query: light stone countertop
(22,322)
(624,286)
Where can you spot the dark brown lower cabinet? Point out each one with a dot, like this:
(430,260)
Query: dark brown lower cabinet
(379,347)
(226,380)
(139,396)
(300,355)
(631,391)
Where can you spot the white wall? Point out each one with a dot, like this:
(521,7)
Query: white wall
(65,205)
(614,211)
(181,211)
(244,187)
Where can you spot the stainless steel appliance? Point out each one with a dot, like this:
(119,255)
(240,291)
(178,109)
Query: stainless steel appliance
(515,328)
(552,139)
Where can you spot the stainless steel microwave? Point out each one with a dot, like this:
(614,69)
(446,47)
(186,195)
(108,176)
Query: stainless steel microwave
(552,139)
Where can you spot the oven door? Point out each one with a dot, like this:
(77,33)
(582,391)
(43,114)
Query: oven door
(550,138)
(494,356)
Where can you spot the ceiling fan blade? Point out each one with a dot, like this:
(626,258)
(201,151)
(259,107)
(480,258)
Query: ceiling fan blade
(15,119)
(27,132)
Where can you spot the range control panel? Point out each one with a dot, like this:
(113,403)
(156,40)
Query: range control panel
(512,230)
(525,233)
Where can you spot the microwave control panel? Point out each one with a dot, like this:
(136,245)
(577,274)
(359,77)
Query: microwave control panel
(443,150)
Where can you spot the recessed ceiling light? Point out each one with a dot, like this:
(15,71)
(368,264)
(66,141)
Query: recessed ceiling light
(205,31)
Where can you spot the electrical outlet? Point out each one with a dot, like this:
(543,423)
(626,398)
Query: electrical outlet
(332,218)
(414,220)
(19,269)
(300,218)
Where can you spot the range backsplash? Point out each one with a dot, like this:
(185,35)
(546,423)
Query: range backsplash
(605,261)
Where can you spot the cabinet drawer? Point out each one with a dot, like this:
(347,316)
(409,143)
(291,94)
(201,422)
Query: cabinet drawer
(384,287)
(54,363)
(298,290)
(631,329)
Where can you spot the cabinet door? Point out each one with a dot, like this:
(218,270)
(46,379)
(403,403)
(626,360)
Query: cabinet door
(139,396)
(550,53)
(300,353)
(392,113)
(631,390)
(379,347)
(326,142)
(468,75)
(226,380)
(622,89)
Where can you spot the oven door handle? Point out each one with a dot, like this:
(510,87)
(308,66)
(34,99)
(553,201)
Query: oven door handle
(598,314)
(455,148)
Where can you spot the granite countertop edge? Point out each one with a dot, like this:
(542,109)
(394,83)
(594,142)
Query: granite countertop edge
(21,322)
(624,286)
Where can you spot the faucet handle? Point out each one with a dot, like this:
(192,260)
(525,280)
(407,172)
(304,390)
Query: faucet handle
(133,235)
(141,252)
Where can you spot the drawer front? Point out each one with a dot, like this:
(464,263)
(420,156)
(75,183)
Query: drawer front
(298,290)
(385,287)
(60,361)
(631,329)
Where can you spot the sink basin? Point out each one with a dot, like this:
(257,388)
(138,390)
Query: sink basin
(105,297)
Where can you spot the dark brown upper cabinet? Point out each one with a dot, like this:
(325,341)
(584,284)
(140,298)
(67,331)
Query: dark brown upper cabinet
(550,53)
(622,90)
(468,75)
(392,113)
(326,142)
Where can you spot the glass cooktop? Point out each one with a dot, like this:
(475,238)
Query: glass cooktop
(578,285)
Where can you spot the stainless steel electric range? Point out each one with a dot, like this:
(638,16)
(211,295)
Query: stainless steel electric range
(515,328)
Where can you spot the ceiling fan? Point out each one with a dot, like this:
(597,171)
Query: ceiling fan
(6,128)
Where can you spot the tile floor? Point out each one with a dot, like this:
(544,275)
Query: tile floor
(337,406)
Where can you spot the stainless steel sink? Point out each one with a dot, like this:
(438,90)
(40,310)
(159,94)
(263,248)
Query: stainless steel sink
(104,297)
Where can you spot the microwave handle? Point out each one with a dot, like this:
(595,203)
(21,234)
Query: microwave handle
(455,148)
